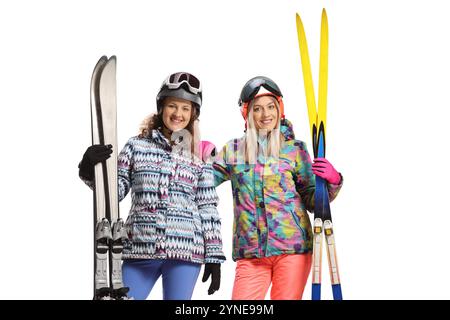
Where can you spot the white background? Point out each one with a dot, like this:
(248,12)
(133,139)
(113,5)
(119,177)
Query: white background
(388,104)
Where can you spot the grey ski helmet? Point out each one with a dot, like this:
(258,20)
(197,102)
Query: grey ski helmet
(180,85)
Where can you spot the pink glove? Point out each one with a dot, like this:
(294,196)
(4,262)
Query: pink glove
(322,168)
(207,151)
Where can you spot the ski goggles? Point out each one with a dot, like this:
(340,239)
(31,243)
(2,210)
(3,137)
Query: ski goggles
(252,87)
(176,80)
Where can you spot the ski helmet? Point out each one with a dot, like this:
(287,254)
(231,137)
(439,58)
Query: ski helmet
(180,85)
(250,92)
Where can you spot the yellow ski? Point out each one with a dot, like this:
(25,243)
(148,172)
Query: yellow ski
(317,121)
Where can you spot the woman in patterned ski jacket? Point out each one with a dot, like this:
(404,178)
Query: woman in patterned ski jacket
(273,186)
(173,225)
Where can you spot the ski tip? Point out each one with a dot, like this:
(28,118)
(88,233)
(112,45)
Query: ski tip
(299,21)
(97,69)
(102,60)
(112,61)
(324,13)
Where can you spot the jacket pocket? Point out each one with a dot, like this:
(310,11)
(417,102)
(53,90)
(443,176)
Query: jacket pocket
(302,223)
(296,219)
(143,228)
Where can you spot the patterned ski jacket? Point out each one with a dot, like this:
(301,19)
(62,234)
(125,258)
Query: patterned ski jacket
(173,212)
(271,198)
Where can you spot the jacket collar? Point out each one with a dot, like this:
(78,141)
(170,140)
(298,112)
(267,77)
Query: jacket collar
(287,130)
(158,137)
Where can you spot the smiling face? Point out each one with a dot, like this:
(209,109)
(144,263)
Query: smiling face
(176,113)
(265,113)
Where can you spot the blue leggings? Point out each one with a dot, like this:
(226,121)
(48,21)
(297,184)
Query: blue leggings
(179,278)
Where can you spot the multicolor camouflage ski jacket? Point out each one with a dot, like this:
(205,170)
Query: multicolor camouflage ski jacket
(271,198)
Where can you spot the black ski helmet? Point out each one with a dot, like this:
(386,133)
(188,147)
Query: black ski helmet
(181,85)
(251,90)
(252,87)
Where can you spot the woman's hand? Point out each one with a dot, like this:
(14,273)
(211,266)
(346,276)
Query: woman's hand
(207,151)
(212,269)
(93,155)
(324,169)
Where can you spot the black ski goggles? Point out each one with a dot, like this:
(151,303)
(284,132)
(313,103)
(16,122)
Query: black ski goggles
(175,80)
(252,87)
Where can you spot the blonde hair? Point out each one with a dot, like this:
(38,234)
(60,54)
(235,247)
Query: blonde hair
(274,138)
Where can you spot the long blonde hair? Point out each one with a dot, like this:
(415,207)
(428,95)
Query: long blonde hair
(273,137)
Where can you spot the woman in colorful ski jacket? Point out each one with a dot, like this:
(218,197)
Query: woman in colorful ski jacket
(173,225)
(273,185)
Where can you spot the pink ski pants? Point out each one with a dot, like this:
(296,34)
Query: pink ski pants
(287,273)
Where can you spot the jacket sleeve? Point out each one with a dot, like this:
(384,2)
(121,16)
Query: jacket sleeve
(89,183)
(221,169)
(305,180)
(207,200)
(124,169)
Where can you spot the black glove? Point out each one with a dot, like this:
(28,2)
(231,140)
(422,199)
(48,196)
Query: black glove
(212,269)
(93,155)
